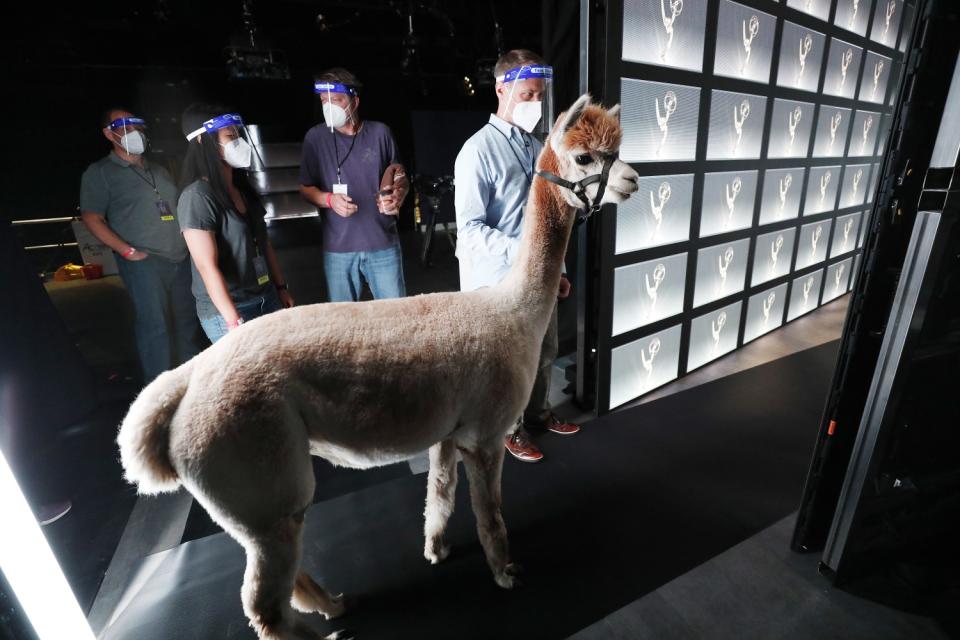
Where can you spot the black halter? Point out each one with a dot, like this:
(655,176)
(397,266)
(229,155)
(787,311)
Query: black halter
(579,188)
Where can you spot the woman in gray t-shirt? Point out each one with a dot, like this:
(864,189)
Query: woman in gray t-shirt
(236,276)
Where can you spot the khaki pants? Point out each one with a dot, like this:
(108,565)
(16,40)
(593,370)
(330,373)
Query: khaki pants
(538,407)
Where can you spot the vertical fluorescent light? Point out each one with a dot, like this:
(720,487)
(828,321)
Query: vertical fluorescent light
(32,571)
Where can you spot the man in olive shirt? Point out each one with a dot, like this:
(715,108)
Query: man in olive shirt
(129,204)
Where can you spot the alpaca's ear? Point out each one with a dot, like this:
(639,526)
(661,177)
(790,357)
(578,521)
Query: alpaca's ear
(567,120)
(614,111)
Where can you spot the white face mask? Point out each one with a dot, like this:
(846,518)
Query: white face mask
(133,143)
(526,115)
(237,153)
(334,115)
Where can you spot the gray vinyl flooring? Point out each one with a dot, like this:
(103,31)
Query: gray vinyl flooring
(758,589)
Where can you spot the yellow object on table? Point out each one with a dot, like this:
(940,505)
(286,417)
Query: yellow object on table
(68,271)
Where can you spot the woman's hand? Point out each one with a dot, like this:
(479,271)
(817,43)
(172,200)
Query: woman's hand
(285,298)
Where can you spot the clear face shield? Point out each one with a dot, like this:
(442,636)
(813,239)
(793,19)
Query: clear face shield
(130,134)
(239,148)
(530,99)
(338,103)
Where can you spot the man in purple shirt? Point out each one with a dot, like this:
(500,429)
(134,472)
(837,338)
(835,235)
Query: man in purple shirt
(351,171)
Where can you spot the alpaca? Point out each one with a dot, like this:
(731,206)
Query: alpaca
(368,384)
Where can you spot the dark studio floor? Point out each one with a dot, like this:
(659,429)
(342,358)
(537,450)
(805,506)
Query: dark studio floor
(610,519)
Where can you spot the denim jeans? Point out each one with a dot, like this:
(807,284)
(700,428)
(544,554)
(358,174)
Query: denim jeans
(165,322)
(382,270)
(216,327)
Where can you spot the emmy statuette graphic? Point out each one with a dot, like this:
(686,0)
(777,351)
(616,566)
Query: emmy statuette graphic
(739,117)
(806,43)
(716,328)
(855,5)
(867,123)
(877,70)
(732,191)
(663,193)
(807,286)
(659,273)
(793,119)
(834,125)
(857,177)
(891,9)
(836,279)
(676,7)
(669,107)
(785,183)
(775,247)
(768,305)
(723,263)
(847,227)
(749,33)
(845,60)
(824,182)
(653,348)
(814,240)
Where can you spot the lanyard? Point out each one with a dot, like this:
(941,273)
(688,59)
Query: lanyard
(152,180)
(336,151)
(523,165)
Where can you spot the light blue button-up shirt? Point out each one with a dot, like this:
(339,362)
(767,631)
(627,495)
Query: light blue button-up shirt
(492,175)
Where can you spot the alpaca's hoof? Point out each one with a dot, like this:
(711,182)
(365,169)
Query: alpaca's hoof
(436,552)
(335,609)
(508,578)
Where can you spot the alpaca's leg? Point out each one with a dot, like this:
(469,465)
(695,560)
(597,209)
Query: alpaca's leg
(441,490)
(308,597)
(484,465)
(273,557)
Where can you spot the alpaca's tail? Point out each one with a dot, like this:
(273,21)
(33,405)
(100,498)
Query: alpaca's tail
(144,436)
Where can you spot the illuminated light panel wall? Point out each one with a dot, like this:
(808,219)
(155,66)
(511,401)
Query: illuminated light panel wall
(758,129)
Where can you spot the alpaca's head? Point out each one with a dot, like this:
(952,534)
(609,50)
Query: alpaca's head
(583,139)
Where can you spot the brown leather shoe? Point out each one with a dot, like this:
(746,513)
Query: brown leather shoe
(556,425)
(520,447)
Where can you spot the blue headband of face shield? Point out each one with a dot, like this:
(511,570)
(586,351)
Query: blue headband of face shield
(215,124)
(127,122)
(334,87)
(525,72)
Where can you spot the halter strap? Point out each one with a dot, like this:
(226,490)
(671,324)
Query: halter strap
(579,188)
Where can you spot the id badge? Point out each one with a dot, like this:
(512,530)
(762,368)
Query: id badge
(164,209)
(340,188)
(260,268)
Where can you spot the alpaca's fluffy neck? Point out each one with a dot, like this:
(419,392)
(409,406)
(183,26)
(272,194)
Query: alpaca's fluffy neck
(548,218)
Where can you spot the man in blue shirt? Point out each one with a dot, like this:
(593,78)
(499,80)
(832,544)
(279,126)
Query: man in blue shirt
(493,174)
(351,172)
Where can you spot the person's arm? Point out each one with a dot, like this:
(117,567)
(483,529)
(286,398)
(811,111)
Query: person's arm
(203,250)
(97,224)
(276,276)
(471,197)
(339,203)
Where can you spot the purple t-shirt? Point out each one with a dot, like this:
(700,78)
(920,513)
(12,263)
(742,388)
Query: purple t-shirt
(361,169)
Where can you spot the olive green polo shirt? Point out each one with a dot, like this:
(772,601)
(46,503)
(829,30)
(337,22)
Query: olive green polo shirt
(127,195)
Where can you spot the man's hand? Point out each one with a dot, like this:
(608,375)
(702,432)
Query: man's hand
(342,205)
(285,298)
(136,256)
(390,204)
(564,290)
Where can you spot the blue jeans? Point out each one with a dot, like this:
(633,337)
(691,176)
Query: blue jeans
(382,270)
(216,327)
(165,322)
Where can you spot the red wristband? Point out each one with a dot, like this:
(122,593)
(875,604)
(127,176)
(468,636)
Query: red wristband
(129,252)
(328,200)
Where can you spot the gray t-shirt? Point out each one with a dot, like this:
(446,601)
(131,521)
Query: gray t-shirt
(363,159)
(127,196)
(239,240)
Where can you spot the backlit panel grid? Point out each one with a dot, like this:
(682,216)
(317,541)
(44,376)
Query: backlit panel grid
(757,129)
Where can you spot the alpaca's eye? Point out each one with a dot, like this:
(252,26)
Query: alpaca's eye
(584,158)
